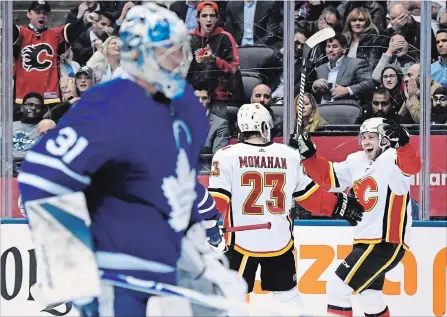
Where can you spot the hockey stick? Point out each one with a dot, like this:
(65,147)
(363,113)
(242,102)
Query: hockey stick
(311,42)
(213,301)
(266,225)
(162,289)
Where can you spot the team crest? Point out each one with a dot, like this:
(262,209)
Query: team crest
(37,57)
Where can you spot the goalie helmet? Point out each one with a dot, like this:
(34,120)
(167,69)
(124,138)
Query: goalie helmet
(375,125)
(146,28)
(254,117)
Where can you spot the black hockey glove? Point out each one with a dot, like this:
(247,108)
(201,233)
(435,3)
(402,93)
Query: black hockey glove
(303,144)
(348,208)
(397,134)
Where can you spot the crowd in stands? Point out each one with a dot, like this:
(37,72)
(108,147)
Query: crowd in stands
(370,68)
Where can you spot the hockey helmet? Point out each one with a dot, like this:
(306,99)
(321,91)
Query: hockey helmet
(146,28)
(375,125)
(254,117)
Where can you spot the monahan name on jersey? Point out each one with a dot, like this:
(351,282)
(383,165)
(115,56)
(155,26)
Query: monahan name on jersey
(382,187)
(255,184)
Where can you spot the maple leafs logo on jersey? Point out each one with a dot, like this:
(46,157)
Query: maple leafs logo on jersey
(180,192)
(37,57)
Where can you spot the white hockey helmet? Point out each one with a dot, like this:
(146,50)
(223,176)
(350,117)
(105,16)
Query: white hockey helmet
(145,28)
(375,125)
(254,117)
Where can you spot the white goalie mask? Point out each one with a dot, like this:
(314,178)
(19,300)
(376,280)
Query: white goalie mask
(254,117)
(147,28)
(375,125)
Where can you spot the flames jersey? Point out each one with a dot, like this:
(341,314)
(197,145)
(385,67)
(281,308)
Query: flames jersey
(254,184)
(36,69)
(382,187)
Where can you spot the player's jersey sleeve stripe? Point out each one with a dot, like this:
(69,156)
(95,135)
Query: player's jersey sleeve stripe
(204,199)
(407,175)
(333,176)
(202,211)
(51,162)
(43,184)
(306,192)
(394,219)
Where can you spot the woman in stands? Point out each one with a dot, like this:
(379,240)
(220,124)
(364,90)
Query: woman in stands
(311,117)
(363,36)
(105,62)
(391,80)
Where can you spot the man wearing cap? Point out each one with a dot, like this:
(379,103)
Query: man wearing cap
(216,57)
(37,65)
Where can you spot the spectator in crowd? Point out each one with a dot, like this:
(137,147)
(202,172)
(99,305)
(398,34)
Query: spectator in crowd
(263,94)
(187,11)
(36,66)
(43,126)
(376,11)
(362,36)
(414,8)
(87,7)
(391,80)
(411,108)
(84,80)
(439,106)
(381,105)
(439,68)
(342,78)
(272,66)
(24,132)
(122,8)
(397,54)
(84,46)
(401,21)
(68,67)
(254,22)
(311,10)
(105,62)
(312,120)
(329,17)
(216,57)
(218,129)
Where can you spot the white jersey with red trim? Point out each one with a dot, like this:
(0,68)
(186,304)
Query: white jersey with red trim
(258,182)
(383,189)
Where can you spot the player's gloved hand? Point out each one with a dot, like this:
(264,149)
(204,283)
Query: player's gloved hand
(348,208)
(303,144)
(88,307)
(206,270)
(394,132)
(214,236)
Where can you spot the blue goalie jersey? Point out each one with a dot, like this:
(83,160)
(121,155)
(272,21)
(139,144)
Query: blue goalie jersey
(135,158)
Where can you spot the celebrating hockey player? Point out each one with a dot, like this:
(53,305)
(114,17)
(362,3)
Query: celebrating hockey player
(117,176)
(380,178)
(254,182)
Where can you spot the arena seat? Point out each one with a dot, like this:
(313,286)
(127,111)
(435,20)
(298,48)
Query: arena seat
(340,112)
(251,56)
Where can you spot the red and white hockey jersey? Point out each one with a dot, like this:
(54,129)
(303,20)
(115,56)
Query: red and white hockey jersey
(36,69)
(255,184)
(382,187)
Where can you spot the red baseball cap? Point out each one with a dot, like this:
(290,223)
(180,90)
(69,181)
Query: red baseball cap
(204,4)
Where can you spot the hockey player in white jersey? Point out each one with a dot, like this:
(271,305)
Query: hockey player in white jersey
(255,182)
(380,178)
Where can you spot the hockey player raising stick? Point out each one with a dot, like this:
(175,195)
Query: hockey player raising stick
(254,182)
(380,178)
(117,176)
